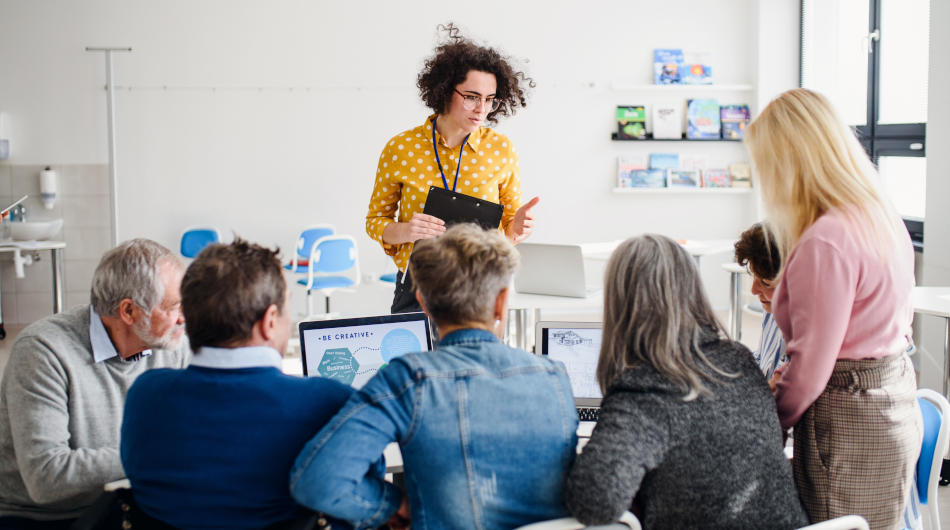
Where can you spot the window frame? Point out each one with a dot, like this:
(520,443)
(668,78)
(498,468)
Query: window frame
(879,139)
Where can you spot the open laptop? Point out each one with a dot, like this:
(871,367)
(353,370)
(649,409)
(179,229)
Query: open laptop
(551,269)
(352,350)
(577,345)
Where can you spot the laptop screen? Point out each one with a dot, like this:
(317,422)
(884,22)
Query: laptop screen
(577,345)
(352,350)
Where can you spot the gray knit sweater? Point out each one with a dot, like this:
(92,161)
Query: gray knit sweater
(60,414)
(713,462)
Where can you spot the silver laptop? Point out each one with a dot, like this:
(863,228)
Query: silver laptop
(352,350)
(577,345)
(551,269)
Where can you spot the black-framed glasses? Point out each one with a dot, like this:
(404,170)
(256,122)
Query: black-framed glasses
(469,102)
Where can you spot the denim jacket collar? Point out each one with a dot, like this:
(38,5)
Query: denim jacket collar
(468,335)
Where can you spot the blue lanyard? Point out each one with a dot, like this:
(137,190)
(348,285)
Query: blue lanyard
(435,149)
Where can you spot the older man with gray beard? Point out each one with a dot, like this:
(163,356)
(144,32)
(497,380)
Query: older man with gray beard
(64,387)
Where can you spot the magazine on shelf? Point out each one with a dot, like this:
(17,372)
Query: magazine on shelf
(695,69)
(666,66)
(741,175)
(631,122)
(702,119)
(716,178)
(734,118)
(648,178)
(664,160)
(684,178)
(667,122)
(626,165)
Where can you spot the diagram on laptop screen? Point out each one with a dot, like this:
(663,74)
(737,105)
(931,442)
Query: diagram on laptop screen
(352,355)
(578,349)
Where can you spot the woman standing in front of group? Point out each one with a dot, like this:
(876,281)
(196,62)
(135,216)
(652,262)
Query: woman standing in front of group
(465,85)
(843,305)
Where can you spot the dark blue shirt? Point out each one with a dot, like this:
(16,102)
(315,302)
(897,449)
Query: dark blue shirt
(213,447)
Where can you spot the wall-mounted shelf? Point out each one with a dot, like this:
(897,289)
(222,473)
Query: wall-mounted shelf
(633,87)
(694,191)
(650,138)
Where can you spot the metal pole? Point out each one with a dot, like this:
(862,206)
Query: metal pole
(110,123)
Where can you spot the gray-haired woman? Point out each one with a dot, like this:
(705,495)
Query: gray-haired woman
(688,435)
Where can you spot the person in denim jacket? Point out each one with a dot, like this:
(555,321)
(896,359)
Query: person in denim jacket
(487,432)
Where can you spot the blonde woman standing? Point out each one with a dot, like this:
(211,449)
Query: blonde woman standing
(843,304)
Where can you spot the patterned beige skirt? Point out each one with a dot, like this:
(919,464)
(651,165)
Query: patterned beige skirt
(857,446)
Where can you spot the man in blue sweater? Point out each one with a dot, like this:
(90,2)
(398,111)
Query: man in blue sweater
(212,445)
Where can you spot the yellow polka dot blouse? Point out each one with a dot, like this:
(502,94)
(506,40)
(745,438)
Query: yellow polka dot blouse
(407,168)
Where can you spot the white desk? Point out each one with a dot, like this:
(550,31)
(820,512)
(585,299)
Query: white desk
(735,295)
(524,310)
(697,248)
(935,301)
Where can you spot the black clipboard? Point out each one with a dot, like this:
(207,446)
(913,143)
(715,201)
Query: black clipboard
(453,208)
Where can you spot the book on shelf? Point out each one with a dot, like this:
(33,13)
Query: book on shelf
(666,66)
(695,69)
(626,165)
(741,175)
(684,178)
(716,178)
(734,119)
(702,119)
(664,160)
(667,122)
(631,122)
(648,178)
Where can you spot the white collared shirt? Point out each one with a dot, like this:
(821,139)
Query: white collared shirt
(233,358)
(102,347)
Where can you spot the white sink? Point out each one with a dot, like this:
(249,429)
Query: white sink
(34,230)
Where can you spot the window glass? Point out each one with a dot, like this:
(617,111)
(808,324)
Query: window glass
(835,54)
(905,45)
(905,183)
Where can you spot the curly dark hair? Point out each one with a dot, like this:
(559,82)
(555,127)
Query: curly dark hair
(758,249)
(452,61)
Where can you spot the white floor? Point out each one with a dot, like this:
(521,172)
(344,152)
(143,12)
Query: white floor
(751,324)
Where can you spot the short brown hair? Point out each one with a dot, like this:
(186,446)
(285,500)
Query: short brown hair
(461,272)
(452,62)
(757,248)
(227,289)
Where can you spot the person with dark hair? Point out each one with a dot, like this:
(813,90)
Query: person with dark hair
(465,85)
(66,380)
(688,434)
(487,432)
(758,252)
(211,446)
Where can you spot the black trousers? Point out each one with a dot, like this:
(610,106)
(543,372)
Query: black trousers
(404,297)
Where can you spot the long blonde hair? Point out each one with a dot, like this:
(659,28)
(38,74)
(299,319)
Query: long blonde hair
(656,313)
(809,162)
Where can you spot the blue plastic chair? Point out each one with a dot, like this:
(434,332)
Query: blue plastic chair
(304,244)
(333,265)
(195,238)
(389,277)
(934,408)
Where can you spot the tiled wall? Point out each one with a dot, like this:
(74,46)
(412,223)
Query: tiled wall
(82,202)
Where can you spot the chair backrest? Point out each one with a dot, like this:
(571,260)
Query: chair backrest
(933,408)
(332,254)
(308,236)
(196,238)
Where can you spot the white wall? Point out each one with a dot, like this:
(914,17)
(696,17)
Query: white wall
(937,222)
(337,81)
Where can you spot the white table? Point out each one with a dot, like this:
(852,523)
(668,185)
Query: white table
(935,301)
(524,311)
(696,248)
(55,249)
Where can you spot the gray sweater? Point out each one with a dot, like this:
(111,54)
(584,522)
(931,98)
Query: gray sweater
(714,462)
(60,414)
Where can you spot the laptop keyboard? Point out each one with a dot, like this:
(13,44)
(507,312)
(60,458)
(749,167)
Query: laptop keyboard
(588,413)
